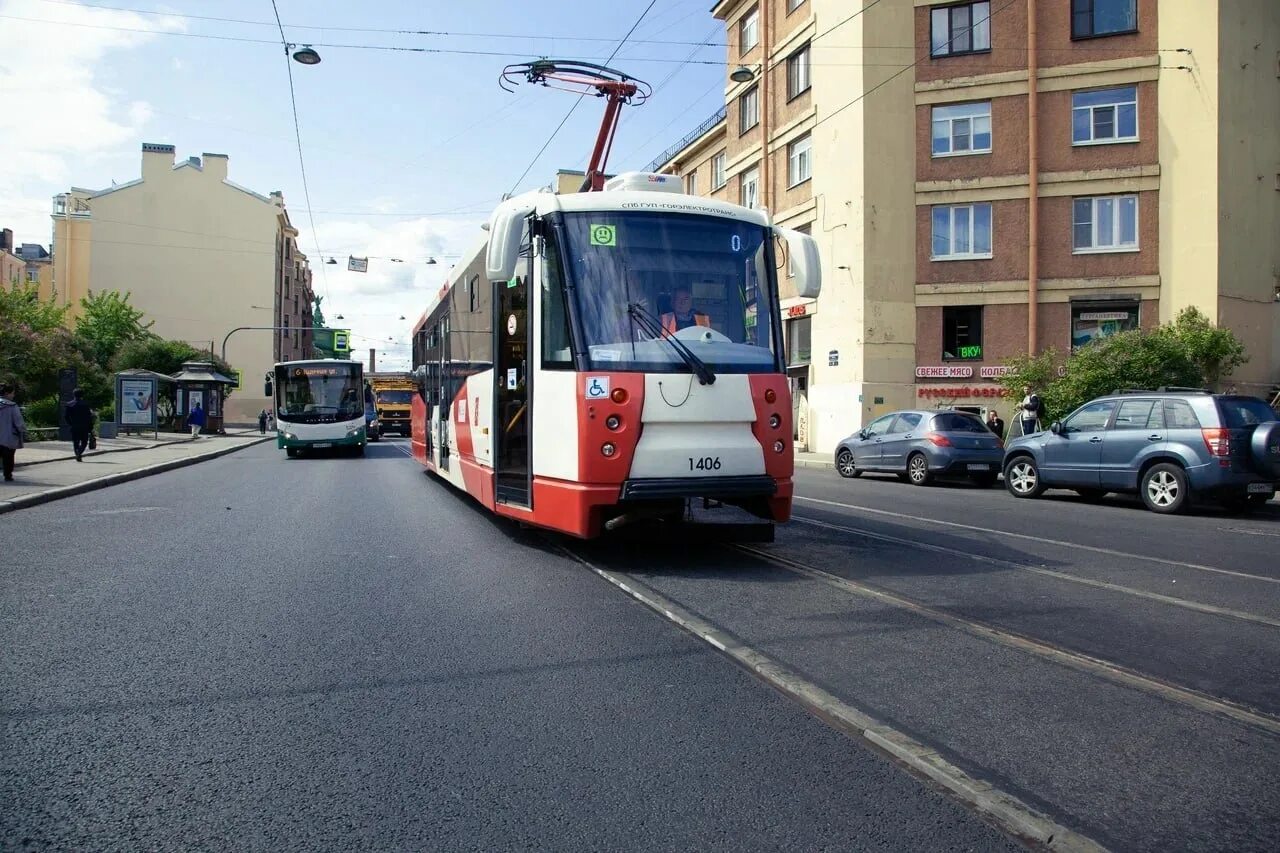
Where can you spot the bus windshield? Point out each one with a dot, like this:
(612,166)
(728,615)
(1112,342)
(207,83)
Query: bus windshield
(709,281)
(318,393)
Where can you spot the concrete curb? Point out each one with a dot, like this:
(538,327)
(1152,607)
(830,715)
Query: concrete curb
(152,446)
(38,498)
(815,463)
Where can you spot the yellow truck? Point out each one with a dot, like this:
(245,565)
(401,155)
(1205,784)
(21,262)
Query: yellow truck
(392,393)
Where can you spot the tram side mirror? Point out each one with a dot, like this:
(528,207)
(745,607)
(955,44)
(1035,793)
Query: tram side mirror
(505,230)
(806,268)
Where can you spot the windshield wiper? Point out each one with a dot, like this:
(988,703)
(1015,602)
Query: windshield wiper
(651,326)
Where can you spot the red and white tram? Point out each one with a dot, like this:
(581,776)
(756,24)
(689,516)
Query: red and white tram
(566,380)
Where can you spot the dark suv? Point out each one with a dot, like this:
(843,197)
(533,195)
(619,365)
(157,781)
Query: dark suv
(1169,446)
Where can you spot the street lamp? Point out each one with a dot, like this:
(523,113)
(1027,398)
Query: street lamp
(431,260)
(306,55)
(331,261)
(742,74)
(339,317)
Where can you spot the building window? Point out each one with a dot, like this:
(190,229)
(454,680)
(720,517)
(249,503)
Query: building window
(751,187)
(1106,223)
(962,129)
(792,5)
(1096,321)
(1090,18)
(961,231)
(799,337)
(749,30)
(473,292)
(285,327)
(962,333)
(286,287)
(748,110)
(718,178)
(965,28)
(1104,115)
(800,160)
(691,183)
(791,266)
(32,276)
(798,73)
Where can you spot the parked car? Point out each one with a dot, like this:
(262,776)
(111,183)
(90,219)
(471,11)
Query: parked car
(921,445)
(1169,446)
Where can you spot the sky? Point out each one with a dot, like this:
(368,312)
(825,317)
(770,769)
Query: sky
(406,151)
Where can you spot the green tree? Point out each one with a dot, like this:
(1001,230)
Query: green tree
(1190,352)
(107,322)
(34,344)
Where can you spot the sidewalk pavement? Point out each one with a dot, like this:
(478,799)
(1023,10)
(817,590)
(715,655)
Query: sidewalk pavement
(47,471)
(814,460)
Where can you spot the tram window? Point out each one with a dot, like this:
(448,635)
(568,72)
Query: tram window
(556,352)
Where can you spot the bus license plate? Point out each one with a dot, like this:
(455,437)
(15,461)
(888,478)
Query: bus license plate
(1261,488)
(979,467)
(321,445)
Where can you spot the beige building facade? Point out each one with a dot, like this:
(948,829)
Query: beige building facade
(819,141)
(200,255)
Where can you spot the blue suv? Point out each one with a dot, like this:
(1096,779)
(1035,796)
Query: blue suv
(1169,446)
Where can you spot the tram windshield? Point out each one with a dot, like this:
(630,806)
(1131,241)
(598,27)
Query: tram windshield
(709,281)
(318,393)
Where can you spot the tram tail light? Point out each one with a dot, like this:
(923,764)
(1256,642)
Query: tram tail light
(608,449)
(613,422)
(619,395)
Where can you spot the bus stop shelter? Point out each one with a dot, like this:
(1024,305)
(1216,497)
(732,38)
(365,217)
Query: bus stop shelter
(198,382)
(139,396)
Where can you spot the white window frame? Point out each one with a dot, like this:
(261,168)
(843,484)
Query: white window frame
(972,113)
(951,226)
(1115,117)
(1117,202)
(718,177)
(752,94)
(800,161)
(691,183)
(798,78)
(749,29)
(749,195)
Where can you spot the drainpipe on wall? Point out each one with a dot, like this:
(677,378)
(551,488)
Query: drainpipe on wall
(766,174)
(1033,186)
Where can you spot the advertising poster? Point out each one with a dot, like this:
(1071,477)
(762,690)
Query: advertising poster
(137,402)
(196,399)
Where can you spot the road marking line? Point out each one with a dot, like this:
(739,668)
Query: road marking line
(1047,541)
(1039,570)
(1007,811)
(1076,660)
(1246,531)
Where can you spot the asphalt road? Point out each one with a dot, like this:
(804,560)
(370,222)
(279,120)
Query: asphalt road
(262,653)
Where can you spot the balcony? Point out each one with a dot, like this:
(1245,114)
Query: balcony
(716,118)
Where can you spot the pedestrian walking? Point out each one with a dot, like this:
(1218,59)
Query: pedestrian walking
(196,420)
(995,423)
(80,418)
(1029,411)
(271,419)
(262,422)
(13,430)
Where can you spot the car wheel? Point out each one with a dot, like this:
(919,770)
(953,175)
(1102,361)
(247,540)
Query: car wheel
(918,470)
(1164,488)
(845,464)
(1022,478)
(985,481)
(291,452)
(1091,494)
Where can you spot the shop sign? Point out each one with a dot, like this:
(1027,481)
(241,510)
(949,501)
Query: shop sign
(833,358)
(797,311)
(993,372)
(943,371)
(959,391)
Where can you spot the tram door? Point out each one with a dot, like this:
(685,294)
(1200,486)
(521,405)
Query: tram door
(446,394)
(513,414)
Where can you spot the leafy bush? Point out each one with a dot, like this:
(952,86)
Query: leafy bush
(42,412)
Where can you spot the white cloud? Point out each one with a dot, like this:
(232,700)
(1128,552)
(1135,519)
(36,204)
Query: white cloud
(58,113)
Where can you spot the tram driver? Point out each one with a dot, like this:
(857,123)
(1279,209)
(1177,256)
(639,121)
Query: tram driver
(682,314)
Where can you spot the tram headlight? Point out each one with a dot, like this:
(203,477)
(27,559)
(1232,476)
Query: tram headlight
(613,422)
(778,446)
(608,449)
(775,420)
(770,395)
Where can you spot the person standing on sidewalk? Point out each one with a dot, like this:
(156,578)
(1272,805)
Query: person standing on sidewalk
(80,419)
(262,422)
(13,430)
(195,420)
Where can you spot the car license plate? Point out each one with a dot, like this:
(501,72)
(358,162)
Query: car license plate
(979,467)
(1261,488)
(322,444)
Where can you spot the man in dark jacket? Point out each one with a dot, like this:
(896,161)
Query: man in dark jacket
(80,419)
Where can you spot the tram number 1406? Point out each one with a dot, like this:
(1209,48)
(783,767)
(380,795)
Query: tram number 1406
(704,463)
